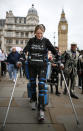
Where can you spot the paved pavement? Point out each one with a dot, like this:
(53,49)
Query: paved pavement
(59,114)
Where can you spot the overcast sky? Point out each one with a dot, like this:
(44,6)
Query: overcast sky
(49,12)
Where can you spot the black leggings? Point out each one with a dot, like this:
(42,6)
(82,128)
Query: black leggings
(38,71)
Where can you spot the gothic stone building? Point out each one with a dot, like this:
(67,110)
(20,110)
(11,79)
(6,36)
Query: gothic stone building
(16,31)
(63,33)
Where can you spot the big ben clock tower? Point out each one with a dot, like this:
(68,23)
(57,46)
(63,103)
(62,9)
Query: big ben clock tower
(62,33)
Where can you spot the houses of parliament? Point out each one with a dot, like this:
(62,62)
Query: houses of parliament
(16,31)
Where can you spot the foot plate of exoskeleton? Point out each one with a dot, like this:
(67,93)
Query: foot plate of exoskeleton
(41,116)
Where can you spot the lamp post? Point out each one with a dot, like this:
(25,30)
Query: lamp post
(54,39)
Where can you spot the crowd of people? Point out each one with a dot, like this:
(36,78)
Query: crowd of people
(40,52)
(73,70)
(9,63)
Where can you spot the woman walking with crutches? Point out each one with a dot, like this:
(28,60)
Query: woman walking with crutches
(37,49)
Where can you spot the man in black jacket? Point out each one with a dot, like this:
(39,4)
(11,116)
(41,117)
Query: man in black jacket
(56,63)
(80,68)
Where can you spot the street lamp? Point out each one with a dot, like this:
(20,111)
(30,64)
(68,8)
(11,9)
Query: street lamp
(54,39)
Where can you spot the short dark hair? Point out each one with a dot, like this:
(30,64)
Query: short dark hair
(73,44)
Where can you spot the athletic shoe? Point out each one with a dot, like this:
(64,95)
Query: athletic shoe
(41,115)
(80,87)
(73,95)
(33,104)
(14,80)
(58,93)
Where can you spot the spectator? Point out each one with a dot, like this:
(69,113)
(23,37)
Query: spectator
(12,60)
(3,64)
(70,68)
(80,69)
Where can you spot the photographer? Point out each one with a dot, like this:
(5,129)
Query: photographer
(56,66)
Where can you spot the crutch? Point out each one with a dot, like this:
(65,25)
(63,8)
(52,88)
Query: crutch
(3,126)
(70,98)
(37,91)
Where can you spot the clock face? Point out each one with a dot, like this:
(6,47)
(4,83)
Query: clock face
(63,27)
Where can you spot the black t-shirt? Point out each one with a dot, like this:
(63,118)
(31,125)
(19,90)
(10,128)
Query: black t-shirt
(38,48)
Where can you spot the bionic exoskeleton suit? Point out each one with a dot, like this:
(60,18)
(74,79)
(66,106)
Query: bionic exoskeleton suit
(37,66)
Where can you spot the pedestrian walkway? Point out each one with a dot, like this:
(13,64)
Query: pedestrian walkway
(59,114)
(20,117)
